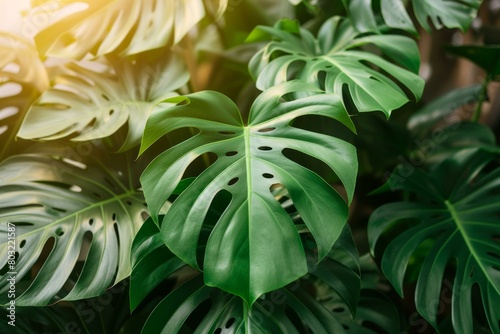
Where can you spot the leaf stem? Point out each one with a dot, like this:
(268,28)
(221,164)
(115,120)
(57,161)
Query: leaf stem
(246,310)
(482,97)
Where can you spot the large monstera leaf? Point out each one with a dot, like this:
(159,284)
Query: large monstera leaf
(94,100)
(333,61)
(74,220)
(249,250)
(273,312)
(22,79)
(441,13)
(455,222)
(123,26)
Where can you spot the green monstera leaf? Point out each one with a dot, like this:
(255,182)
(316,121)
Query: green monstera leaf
(105,314)
(125,27)
(334,61)
(441,13)
(453,225)
(249,250)
(22,79)
(270,313)
(94,100)
(74,220)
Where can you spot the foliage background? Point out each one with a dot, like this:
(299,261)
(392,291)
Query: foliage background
(381,146)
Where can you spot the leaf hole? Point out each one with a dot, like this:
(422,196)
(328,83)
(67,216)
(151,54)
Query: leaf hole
(74,163)
(113,217)
(111,112)
(496,256)
(12,68)
(218,205)
(117,233)
(59,232)
(199,165)
(104,96)
(495,237)
(91,222)
(48,247)
(268,175)
(267,129)
(233,181)
(75,189)
(97,195)
(194,319)
(8,112)
(227,133)
(10,89)
(21,245)
(231,153)
(129,203)
(218,331)
(339,309)
(265,148)
(59,210)
(23,223)
(344,326)
(322,80)
(109,182)
(230,322)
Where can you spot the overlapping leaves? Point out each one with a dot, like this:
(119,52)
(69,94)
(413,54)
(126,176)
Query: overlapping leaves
(218,310)
(74,222)
(105,314)
(333,61)
(22,79)
(125,27)
(94,100)
(249,248)
(441,13)
(455,215)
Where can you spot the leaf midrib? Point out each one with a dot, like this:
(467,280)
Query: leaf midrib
(248,165)
(458,223)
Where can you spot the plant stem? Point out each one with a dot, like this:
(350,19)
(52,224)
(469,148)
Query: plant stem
(246,311)
(482,97)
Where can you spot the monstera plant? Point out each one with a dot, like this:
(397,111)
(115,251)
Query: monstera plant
(224,166)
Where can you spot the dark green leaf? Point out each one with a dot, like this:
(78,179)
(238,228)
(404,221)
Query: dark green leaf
(152,262)
(458,212)
(485,56)
(272,312)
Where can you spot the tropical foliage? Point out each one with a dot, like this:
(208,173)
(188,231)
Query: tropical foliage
(218,166)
